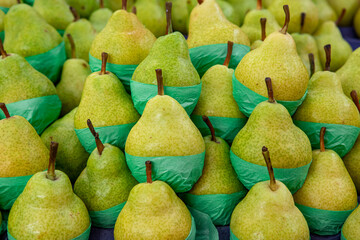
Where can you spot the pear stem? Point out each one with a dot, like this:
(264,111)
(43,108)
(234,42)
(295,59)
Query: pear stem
(342,14)
(51,169)
(124,5)
(18,1)
(266,154)
(72,44)
(168,18)
(101,4)
(104,57)
(5,110)
(327,49)
(99,145)
(355,99)
(322,139)
(200,1)
(259,5)
(270,90)
(263,28)
(148,172)
(287,19)
(211,127)
(134,10)
(2,50)
(160,82)
(230,46)
(75,14)
(302,22)
(312,64)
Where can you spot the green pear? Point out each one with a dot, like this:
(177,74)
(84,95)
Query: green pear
(351,7)
(71,157)
(117,4)
(103,93)
(268,212)
(106,181)
(83,7)
(326,13)
(57,13)
(100,17)
(349,73)
(278,59)
(152,15)
(229,12)
(48,207)
(242,7)
(23,22)
(351,229)
(326,101)
(154,208)
(180,17)
(9,3)
(328,185)
(356,22)
(73,76)
(208,25)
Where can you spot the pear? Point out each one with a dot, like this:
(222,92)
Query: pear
(351,7)
(100,17)
(106,181)
(268,212)
(229,11)
(23,22)
(251,26)
(71,157)
(83,7)
(259,42)
(276,58)
(351,229)
(57,13)
(296,8)
(73,76)
(208,25)
(48,207)
(349,73)
(9,3)
(136,41)
(23,153)
(153,211)
(242,7)
(180,17)
(326,101)
(328,185)
(356,22)
(329,33)
(326,13)
(152,15)
(103,93)
(2,16)
(117,4)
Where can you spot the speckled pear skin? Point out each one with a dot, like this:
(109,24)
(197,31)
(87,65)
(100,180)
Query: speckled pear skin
(20,81)
(270,125)
(56,12)
(48,209)
(256,44)
(278,59)
(352,164)
(229,11)
(349,74)
(22,151)
(164,129)
(127,43)
(351,227)
(329,33)
(327,103)
(208,25)
(73,76)
(99,18)
(83,34)
(152,15)
(252,26)
(171,54)
(218,177)
(106,181)
(306,44)
(8,3)
(102,95)
(23,22)
(326,13)
(216,97)
(83,7)
(2,16)
(351,7)
(328,185)
(71,156)
(267,214)
(296,8)
(153,211)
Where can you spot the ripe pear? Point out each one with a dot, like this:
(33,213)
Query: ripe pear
(180,17)
(136,41)
(71,157)
(242,7)
(9,3)
(349,73)
(351,227)
(83,7)
(259,42)
(278,59)
(290,147)
(106,181)
(152,15)
(268,212)
(326,13)
(23,153)
(100,17)
(208,25)
(73,76)
(351,7)
(229,12)
(356,22)
(154,208)
(48,207)
(117,4)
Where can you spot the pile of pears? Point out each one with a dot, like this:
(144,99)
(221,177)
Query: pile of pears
(52,185)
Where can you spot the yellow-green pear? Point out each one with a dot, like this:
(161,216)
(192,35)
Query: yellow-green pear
(152,14)
(326,13)
(83,7)
(9,3)
(351,7)
(351,227)
(356,22)
(100,17)
(349,73)
(242,7)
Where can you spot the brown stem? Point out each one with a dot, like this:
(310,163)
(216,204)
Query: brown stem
(168,18)
(51,169)
(18,1)
(342,14)
(75,14)
(101,3)
(104,57)
(72,44)
(287,19)
(270,90)
(160,82)
(99,145)
(266,155)
(211,127)
(134,10)
(302,22)
(327,49)
(124,5)
(355,99)
(259,5)
(2,50)
(322,137)
(5,110)
(263,28)
(230,46)
(312,64)
(148,172)
(200,1)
